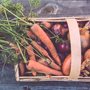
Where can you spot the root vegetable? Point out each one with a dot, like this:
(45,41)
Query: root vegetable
(66,67)
(45,53)
(46,24)
(32,56)
(87,54)
(39,32)
(84,35)
(30,52)
(33,65)
(85,42)
(58,29)
(21,68)
(50,63)
(40,49)
(30,34)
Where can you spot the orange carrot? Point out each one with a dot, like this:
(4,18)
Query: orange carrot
(39,32)
(32,56)
(46,64)
(30,34)
(30,52)
(41,68)
(40,49)
(21,68)
(45,53)
(43,62)
(46,24)
(50,63)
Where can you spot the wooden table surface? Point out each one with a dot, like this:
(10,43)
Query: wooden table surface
(59,8)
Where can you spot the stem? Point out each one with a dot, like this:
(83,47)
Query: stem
(55,36)
(4,41)
(30,7)
(24,40)
(12,22)
(7,19)
(25,61)
(5,25)
(17,16)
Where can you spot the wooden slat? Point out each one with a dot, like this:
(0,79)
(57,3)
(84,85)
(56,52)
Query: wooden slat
(75,48)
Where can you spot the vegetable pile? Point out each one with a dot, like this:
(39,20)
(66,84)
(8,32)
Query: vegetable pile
(41,47)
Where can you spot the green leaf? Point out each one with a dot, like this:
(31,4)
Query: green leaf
(6,2)
(35,3)
(33,14)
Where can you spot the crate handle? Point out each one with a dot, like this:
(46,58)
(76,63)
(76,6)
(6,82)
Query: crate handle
(75,48)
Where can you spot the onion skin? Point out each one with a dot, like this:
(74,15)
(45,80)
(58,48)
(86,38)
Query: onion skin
(66,65)
(84,35)
(85,42)
(87,54)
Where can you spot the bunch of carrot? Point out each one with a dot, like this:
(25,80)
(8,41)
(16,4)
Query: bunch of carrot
(39,60)
(43,65)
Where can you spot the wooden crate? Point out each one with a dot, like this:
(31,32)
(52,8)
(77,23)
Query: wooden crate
(75,53)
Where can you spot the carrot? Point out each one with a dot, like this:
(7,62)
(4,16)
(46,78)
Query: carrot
(39,32)
(41,68)
(40,49)
(43,62)
(46,24)
(45,53)
(30,34)
(46,64)
(30,52)
(32,56)
(50,63)
(21,68)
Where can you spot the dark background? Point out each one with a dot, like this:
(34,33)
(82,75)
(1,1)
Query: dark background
(48,8)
